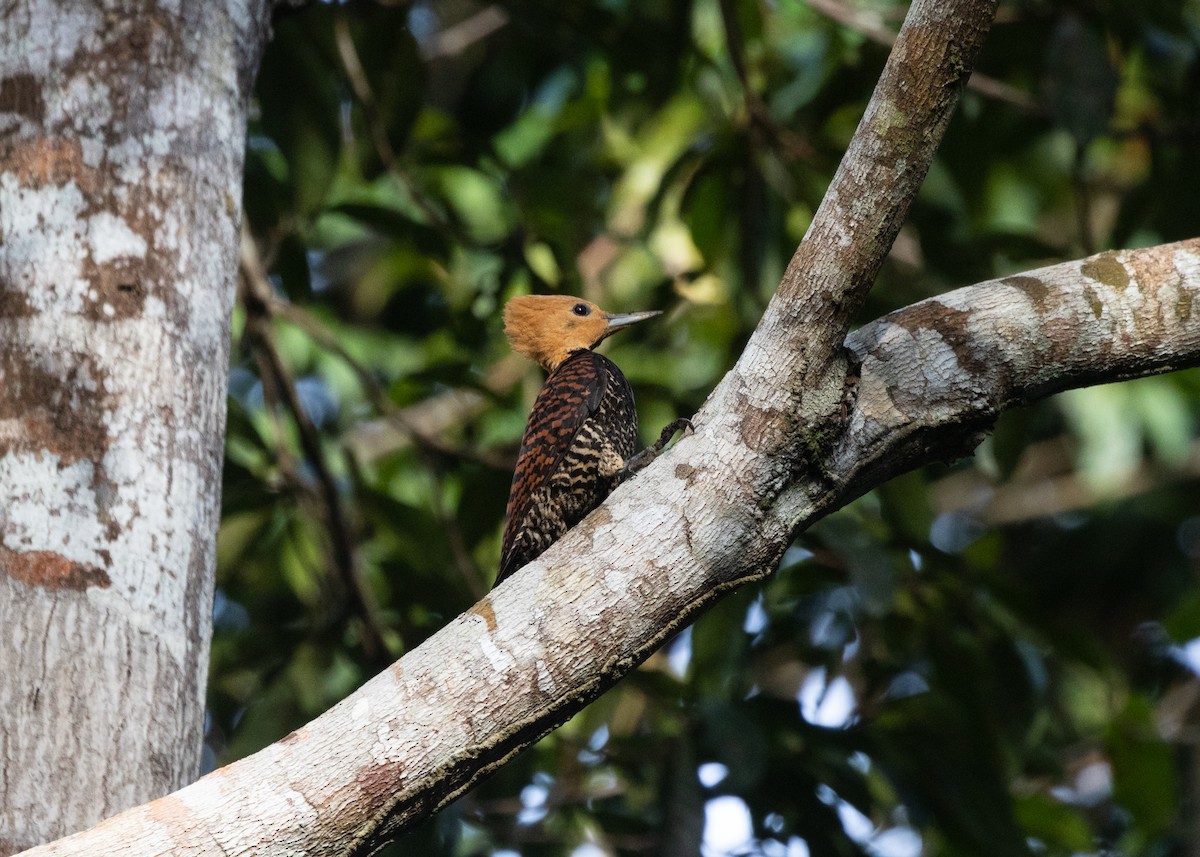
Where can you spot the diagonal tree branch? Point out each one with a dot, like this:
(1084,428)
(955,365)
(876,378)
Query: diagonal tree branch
(933,376)
(783,402)
(528,656)
(938,373)
(877,31)
(808,420)
(835,265)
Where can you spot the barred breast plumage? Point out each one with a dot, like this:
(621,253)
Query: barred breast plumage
(581,431)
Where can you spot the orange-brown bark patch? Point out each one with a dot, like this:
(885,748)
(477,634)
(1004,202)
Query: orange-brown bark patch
(120,285)
(483,609)
(295,736)
(41,161)
(168,811)
(13,303)
(50,570)
(377,782)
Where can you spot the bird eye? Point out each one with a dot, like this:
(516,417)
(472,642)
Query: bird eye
(581,309)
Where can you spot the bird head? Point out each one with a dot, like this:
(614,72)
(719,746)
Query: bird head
(548,328)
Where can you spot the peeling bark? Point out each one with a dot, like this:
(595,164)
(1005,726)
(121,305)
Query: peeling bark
(120,175)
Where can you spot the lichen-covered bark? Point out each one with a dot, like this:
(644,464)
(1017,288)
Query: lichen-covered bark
(785,397)
(934,376)
(120,178)
(833,269)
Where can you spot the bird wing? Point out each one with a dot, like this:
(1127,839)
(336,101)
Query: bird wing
(570,396)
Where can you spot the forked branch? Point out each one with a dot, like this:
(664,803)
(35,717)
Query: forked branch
(807,420)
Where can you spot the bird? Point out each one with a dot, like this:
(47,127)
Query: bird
(581,435)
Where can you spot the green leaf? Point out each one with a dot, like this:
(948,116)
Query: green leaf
(1144,779)
(300,105)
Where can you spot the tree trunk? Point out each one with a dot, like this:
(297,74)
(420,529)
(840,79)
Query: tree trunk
(121,128)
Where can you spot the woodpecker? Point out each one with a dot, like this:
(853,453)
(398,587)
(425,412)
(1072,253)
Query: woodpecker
(581,435)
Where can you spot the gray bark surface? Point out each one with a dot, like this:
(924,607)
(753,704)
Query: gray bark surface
(121,129)
(810,417)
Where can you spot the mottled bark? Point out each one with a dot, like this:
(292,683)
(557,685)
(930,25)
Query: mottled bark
(121,129)
(933,377)
(528,656)
(808,419)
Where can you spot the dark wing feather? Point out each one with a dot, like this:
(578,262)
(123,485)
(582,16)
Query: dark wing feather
(570,396)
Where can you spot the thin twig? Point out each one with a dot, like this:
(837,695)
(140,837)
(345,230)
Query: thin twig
(791,146)
(425,443)
(312,326)
(258,317)
(365,95)
(1083,199)
(871,27)
(457,38)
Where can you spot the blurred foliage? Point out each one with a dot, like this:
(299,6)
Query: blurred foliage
(995,658)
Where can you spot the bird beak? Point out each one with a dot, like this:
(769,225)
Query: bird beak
(619,321)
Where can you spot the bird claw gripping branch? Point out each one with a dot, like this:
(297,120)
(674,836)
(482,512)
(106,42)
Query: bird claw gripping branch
(647,455)
(579,441)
